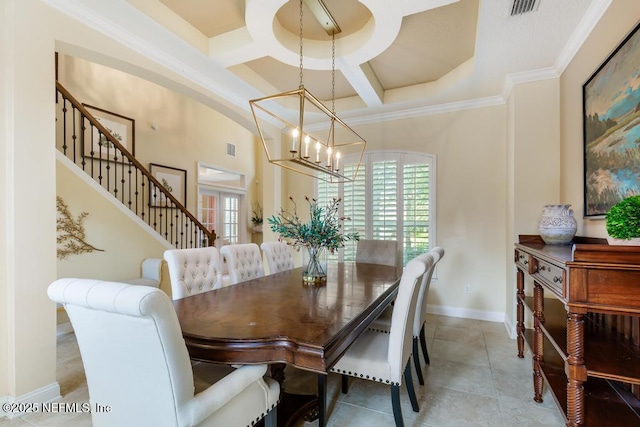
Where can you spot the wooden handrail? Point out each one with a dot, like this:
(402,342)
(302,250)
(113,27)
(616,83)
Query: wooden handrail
(133,161)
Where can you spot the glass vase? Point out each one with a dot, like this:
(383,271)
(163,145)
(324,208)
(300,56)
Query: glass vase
(314,273)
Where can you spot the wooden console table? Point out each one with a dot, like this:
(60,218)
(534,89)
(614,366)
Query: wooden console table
(585,340)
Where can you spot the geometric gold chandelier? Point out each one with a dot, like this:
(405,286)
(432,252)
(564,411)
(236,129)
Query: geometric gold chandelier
(316,142)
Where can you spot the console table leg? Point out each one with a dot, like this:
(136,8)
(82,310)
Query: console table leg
(520,313)
(576,370)
(538,340)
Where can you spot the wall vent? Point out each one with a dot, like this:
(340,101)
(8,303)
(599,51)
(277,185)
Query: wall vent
(523,6)
(231,149)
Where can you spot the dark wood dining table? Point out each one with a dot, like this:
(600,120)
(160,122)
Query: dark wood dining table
(278,319)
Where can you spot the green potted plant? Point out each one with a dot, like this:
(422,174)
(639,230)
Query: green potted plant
(256,218)
(623,222)
(324,230)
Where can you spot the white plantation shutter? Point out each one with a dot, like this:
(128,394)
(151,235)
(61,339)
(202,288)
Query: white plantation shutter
(415,227)
(384,210)
(354,197)
(325,194)
(390,199)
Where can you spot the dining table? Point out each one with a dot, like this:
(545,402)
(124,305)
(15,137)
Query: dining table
(279,319)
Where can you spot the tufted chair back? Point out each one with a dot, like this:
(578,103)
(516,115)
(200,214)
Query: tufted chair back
(421,315)
(383,252)
(384,357)
(244,262)
(193,271)
(136,361)
(404,310)
(278,255)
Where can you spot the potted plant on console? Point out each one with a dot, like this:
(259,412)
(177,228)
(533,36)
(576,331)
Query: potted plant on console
(623,222)
(256,218)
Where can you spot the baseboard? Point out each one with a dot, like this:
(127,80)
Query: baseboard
(511,328)
(44,394)
(467,313)
(64,328)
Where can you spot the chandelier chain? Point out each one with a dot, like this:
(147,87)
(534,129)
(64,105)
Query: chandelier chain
(333,72)
(300,43)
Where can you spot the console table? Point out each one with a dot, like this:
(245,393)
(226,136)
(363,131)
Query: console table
(584,303)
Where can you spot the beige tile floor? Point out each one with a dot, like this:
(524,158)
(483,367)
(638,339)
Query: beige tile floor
(474,379)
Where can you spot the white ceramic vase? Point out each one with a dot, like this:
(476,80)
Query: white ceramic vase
(557,225)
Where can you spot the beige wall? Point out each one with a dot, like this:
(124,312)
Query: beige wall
(471,189)
(617,22)
(480,204)
(470,148)
(27,201)
(187,130)
(124,243)
(533,168)
(5,182)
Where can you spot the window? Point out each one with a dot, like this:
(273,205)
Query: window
(396,190)
(220,202)
(219,211)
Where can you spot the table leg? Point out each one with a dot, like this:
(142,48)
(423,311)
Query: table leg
(322,400)
(277,373)
(520,313)
(538,340)
(576,370)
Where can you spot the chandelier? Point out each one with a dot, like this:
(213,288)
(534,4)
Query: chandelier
(314,140)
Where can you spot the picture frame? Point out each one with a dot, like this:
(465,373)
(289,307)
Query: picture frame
(121,127)
(173,179)
(611,128)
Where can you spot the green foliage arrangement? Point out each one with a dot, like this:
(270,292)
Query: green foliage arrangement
(256,214)
(322,231)
(623,219)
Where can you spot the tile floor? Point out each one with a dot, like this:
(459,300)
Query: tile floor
(475,379)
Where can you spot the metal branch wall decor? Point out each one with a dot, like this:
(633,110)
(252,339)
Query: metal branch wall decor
(71,235)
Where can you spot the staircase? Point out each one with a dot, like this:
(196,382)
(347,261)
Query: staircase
(94,149)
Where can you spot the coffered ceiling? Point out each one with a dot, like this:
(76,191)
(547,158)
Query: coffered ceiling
(393,58)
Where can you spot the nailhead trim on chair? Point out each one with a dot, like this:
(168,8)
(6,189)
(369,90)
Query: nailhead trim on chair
(379,330)
(357,375)
(264,414)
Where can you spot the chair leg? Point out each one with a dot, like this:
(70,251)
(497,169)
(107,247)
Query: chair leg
(416,361)
(423,342)
(395,402)
(322,400)
(271,420)
(410,390)
(345,384)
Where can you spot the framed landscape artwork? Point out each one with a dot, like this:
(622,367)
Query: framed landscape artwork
(122,128)
(173,180)
(611,109)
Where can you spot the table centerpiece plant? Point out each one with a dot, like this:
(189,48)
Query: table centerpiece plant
(322,232)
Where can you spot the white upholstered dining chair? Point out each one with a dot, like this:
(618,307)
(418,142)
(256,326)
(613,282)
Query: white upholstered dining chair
(194,270)
(383,322)
(244,262)
(136,361)
(383,357)
(383,252)
(278,256)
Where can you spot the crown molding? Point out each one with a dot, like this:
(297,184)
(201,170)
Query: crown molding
(579,36)
(527,77)
(431,110)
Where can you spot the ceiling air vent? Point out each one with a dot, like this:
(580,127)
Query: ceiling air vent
(523,6)
(231,149)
